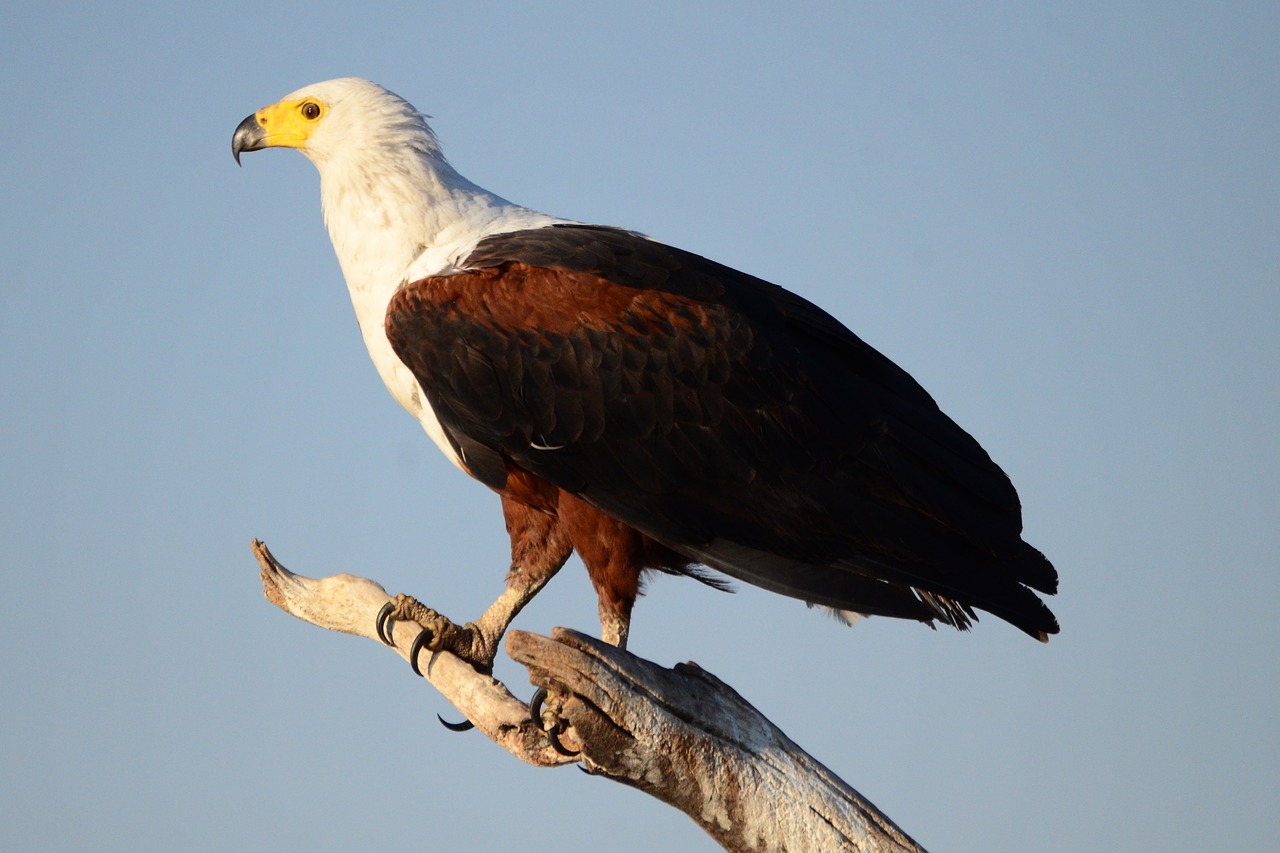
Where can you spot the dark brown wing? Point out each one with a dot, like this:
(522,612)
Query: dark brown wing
(724,416)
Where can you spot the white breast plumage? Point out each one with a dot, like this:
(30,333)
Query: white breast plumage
(371,293)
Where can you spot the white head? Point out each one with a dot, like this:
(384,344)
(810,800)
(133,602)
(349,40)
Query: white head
(348,117)
(388,192)
(393,204)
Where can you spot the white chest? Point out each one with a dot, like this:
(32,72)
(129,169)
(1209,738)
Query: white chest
(403,224)
(399,380)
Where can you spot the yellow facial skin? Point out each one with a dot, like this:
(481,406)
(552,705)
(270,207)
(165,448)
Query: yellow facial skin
(288,124)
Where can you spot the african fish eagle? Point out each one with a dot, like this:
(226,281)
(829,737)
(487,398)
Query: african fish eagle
(646,407)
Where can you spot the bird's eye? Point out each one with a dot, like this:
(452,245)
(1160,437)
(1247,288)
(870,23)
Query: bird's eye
(311,111)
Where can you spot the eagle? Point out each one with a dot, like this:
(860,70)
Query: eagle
(643,406)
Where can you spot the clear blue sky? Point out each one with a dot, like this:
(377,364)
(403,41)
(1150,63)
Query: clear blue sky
(1065,223)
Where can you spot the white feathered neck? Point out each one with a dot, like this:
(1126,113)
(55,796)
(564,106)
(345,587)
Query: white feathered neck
(396,211)
(390,198)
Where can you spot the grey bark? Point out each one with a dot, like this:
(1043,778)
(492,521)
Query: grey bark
(678,734)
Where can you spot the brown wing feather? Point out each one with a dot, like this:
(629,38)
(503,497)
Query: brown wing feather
(724,416)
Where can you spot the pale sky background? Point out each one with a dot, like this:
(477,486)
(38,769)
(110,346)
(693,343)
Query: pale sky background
(1064,222)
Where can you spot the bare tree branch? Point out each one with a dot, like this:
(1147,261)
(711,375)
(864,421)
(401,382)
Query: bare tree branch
(679,734)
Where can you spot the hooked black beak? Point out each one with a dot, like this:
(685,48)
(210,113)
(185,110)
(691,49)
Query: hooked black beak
(249,136)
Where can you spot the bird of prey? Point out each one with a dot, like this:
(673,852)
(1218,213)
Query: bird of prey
(644,406)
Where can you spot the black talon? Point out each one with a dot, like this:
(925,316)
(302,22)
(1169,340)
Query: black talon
(553,733)
(380,624)
(419,643)
(535,705)
(465,725)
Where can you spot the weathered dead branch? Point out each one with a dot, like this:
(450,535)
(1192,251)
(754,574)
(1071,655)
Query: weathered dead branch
(679,734)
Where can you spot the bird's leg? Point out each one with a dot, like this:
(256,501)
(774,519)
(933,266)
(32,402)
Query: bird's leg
(615,556)
(539,547)
(615,625)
